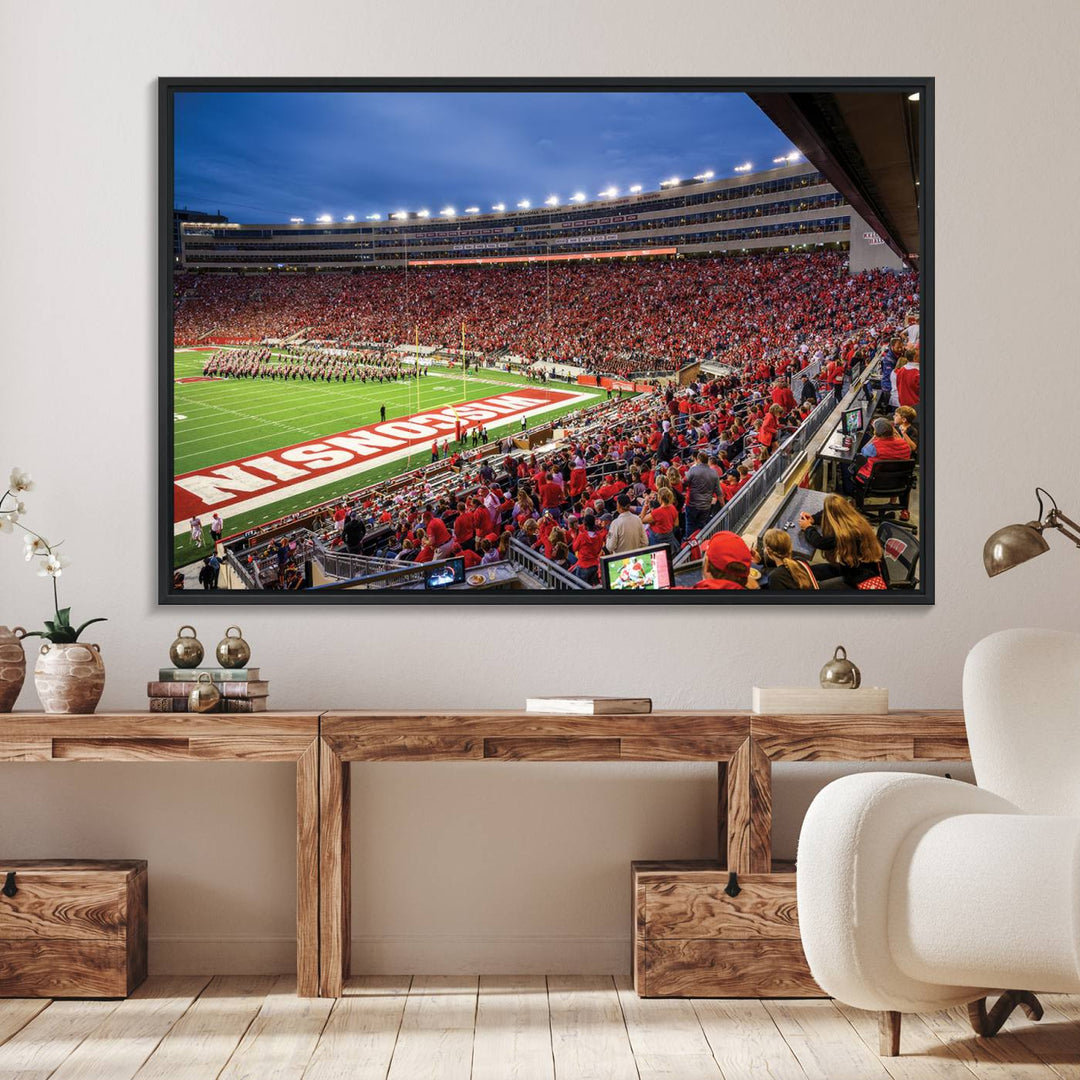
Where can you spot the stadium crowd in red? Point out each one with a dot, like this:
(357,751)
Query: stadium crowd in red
(671,459)
(620,317)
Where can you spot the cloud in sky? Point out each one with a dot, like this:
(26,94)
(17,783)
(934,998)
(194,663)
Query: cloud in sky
(268,156)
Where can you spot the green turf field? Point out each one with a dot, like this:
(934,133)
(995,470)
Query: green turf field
(236,418)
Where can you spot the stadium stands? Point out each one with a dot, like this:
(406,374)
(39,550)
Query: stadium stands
(622,318)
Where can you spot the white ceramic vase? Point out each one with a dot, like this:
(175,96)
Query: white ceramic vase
(69,678)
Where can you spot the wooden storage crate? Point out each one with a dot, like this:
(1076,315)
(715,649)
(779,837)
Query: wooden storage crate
(692,939)
(72,928)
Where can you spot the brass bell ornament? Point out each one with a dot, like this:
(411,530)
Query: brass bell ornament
(186,651)
(840,673)
(204,695)
(233,652)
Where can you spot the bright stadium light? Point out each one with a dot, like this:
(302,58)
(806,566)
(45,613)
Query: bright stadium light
(374,217)
(472,209)
(670,183)
(499,207)
(423,213)
(350,217)
(634,189)
(578,196)
(707,175)
(746,166)
(297,220)
(448,211)
(552,200)
(401,215)
(793,156)
(324,219)
(524,204)
(609,193)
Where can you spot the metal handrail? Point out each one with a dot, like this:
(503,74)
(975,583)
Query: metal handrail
(552,575)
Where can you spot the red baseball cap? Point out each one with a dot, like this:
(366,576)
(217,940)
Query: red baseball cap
(725,548)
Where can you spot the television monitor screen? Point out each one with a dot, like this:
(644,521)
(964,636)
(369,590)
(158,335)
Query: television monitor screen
(451,572)
(647,568)
(853,421)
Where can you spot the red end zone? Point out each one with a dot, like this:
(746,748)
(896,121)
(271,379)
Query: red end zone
(264,478)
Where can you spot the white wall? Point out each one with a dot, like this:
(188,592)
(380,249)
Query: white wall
(505,867)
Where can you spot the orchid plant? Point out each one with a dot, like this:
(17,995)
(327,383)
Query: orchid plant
(51,563)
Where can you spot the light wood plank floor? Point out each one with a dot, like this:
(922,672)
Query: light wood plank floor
(524,1027)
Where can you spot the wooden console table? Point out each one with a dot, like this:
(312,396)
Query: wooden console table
(260,737)
(323,745)
(742,744)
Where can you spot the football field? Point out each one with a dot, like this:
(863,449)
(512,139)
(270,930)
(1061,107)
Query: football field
(223,424)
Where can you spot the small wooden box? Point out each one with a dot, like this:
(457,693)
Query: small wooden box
(72,928)
(691,939)
(817,701)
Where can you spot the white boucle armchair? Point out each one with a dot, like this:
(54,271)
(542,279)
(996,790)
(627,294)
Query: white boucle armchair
(918,893)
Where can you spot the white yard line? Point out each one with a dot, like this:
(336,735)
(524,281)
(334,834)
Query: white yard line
(356,468)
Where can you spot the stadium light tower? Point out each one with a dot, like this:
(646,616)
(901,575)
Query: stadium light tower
(499,207)
(401,215)
(635,189)
(448,211)
(524,204)
(324,219)
(297,220)
(671,182)
(609,193)
(374,217)
(472,209)
(578,196)
(708,174)
(350,217)
(423,213)
(746,166)
(552,200)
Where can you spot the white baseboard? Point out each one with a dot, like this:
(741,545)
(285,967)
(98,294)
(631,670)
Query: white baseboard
(430,954)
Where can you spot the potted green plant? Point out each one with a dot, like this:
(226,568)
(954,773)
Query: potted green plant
(69,674)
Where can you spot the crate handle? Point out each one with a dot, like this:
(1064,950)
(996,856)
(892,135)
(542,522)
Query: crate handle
(732,887)
(9,884)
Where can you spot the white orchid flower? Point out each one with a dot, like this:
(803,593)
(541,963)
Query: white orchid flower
(6,522)
(53,566)
(20,481)
(34,545)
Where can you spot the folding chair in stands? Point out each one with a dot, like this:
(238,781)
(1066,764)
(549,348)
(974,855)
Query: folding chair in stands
(887,480)
(901,555)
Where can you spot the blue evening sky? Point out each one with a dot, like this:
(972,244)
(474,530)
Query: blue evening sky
(266,157)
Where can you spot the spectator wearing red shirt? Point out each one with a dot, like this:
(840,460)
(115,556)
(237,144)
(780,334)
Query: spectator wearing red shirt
(465,529)
(907,382)
(662,518)
(726,564)
(766,435)
(782,396)
(587,545)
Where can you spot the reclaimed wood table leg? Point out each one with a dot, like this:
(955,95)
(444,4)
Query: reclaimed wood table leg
(722,813)
(307,872)
(334,872)
(749,810)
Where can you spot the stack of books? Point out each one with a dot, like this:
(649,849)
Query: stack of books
(241,689)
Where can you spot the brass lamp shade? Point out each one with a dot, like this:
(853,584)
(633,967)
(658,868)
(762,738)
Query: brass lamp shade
(1012,545)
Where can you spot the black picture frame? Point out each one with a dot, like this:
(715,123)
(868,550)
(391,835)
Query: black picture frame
(167,596)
